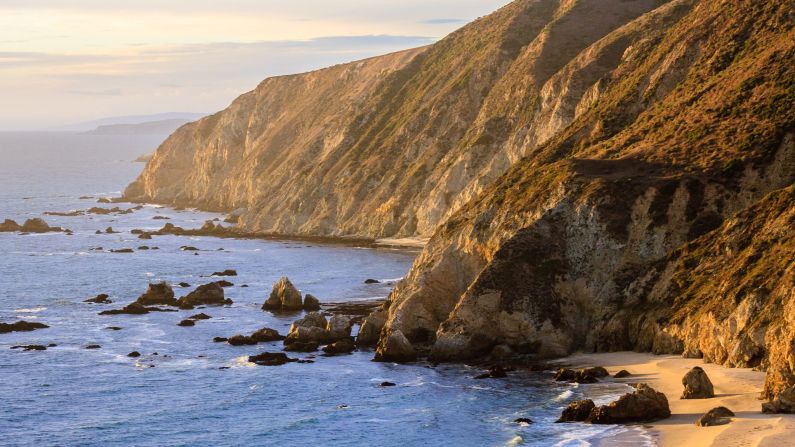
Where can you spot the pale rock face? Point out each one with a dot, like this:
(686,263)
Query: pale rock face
(697,385)
(312,327)
(371,327)
(395,348)
(284,296)
(339,326)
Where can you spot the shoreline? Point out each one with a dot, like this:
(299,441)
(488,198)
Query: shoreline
(735,388)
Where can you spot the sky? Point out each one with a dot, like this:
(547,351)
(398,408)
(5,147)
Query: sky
(68,61)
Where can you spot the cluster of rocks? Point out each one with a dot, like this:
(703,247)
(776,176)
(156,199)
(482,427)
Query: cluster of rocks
(285,297)
(313,330)
(208,229)
(34,225)
(585,375)
(263,335)
(94,210)
(161,294)
(191,321)
(643,405)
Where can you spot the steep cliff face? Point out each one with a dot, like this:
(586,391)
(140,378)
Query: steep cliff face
(391,146)
(568,249)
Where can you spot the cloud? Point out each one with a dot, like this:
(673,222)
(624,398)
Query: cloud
(108,92)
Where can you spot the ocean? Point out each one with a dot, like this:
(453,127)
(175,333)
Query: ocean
(194,392)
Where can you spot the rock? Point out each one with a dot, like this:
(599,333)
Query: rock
(395,348)
(220,339)
(715,416)
(122,250)
(186,323)
(227,272)
(224,283)
(371,281)
(145,236)
(97,232)
(643,405)
(158,293)
(99,299)
(523,421)
(310,303)
(134,354)
(565,375)
(241,340)
(697,385)
(109,230)
(208,294)
(183,284)
(135,309)
(9,225)
(284,296)
(266,334)
(339,327)
(501,352)
(577,411)
(370,329)
(585,375)
(30,347)
(188,248)
(143,247)
(621,374)
(783,402)
(201,316)
(340,347)
(21,326)
(312,327)
(386,384)
(495,372)
(113,328)
(596,371)
(301,346)
(270,359)
(37,225)
(93,347)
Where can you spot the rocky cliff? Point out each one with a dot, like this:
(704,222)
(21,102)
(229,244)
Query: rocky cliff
(622,231)
(596,174)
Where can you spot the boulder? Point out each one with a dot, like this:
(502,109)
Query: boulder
(312,327)
(158,293)
(224,283)
(21,326)
(186,323)
(577,411)
(183,284)
(9,225)
(93,347)
(339,327)
(134,354)
(37,225)
(523,421)
(201,316)
(643,405)
(784,402)
(240,340)
(370,330)
(270,359)
(340,347)
(621,374)
(227,272)
(371,281)
(30,347)
(302,346)
(697,385)
(220,339)
(585,375)
(715,416)
(311,303)
(284,296)
(265,335)
(208,294)
(395,348)
(387,384)
(99,299)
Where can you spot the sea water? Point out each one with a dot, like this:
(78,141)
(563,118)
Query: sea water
(194,392)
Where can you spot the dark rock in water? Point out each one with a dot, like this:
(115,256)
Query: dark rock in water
(302,346)
(621,374)
(644,405)
(565,375)
(9,225)
(188,248)
(134,354)
(227,272)
(697,385)
(266,334)
(161,218)
(224,283)
(240,340)
(97,232)
(21,326)
(208,294)
(586,375)
(312,327)
(104,200)
(715,416)
(93,347)
(201,316)
(284,296)
(523,421)
(99,299)
(186,323)
(220,339)
(122,250)
(271,359)
(158,293)
(37,225)
(577,411)
(311,303)
(30,347)
(145,236)
(386,384)
(113,328)
(244,285)
(340,347)
(183,284)
(143,247)
(495,372)
(109,230)
(596,371)
(134,309)
(371,281)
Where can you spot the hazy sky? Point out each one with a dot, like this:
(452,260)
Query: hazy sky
(65,61)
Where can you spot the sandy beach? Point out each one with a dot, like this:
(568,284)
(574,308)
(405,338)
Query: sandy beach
(735,388)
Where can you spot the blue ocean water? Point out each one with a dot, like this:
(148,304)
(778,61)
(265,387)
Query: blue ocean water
(71,396)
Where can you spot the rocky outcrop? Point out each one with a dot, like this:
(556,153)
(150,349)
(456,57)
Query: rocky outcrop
(271,359)
(781,402)
(158,294)
(263,335)
(577,411)
(395,348)
(697,385)
(643,405)
(715,416)
(311,303)
(9,226)
(585,375)
(102,298)
(284,296)
(211,294)
(34,225)
(370,329)
(21,326)
(345,346)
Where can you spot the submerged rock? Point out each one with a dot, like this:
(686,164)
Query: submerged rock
(715,416)
(135,309)
(93,347)
(577,411)
(263,335)
(21,326)
(371,281)
(387,384)
(395,348)
(284,296)
(643,405)
(201,316)
(697,385)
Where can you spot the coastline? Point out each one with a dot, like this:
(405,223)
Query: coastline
(735,388)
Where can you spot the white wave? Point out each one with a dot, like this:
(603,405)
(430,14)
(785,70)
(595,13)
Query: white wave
(566,395)
(516,440)
(30,311)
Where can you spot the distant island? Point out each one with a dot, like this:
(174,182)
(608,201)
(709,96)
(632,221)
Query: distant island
(161,127)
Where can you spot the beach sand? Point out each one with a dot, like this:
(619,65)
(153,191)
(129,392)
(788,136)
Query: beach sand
(735,388)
